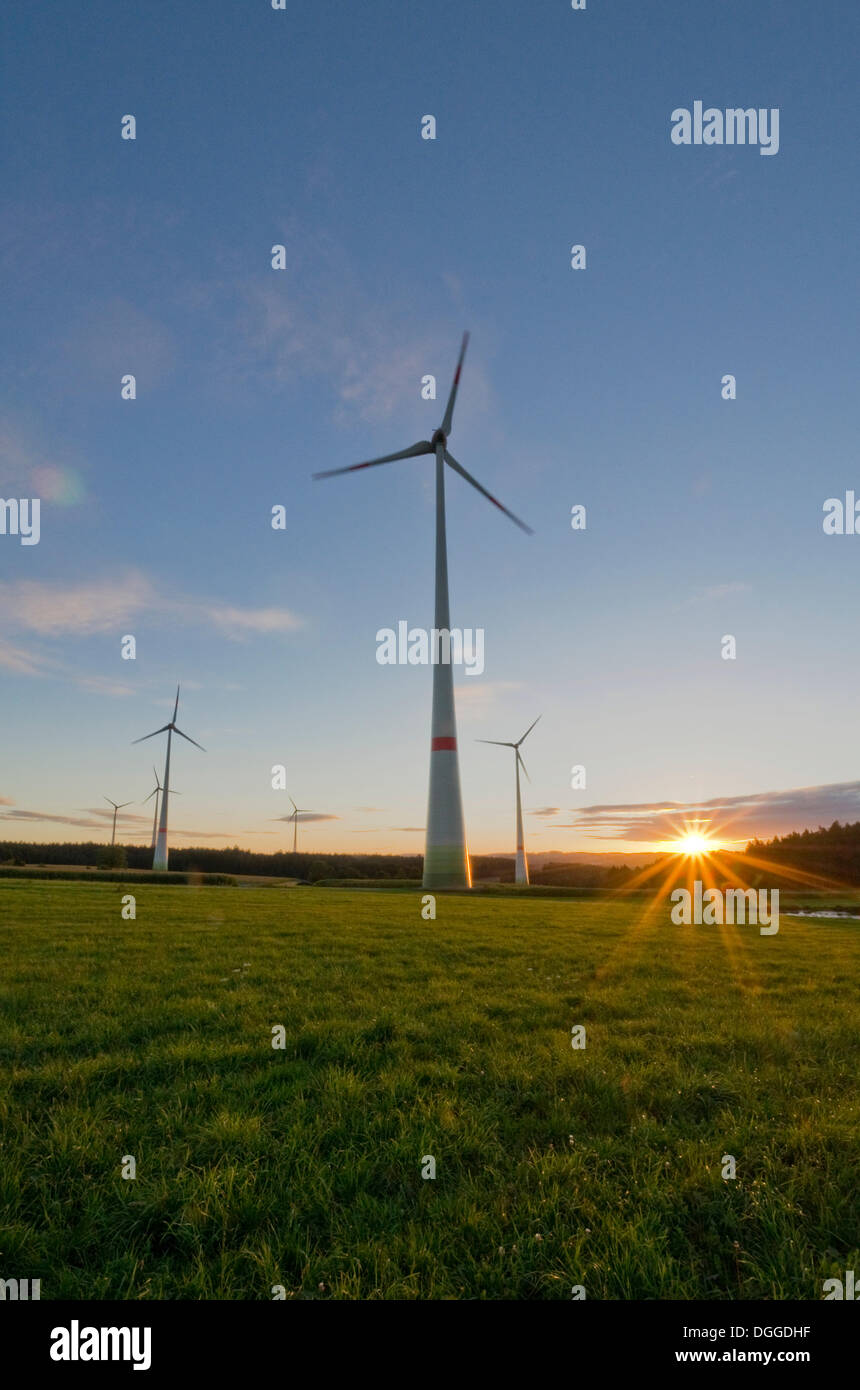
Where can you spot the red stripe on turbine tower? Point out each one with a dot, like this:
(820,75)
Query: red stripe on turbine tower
(438,744)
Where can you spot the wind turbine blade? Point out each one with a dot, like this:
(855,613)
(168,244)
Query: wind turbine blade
(523,766)
(458,468)
(151,795)
(108,800)
(162,730)
(528,731)
(449,409)
(189,740)
(176,706)
(496,741)
(422,447)
(293,804)
(123,803)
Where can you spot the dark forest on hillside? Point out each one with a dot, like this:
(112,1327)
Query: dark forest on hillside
(831,853)
(310,867)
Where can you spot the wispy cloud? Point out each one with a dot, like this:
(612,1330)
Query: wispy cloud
(26,662)
(53,609)
(202,834)
(476,697)
(547,811)
(21,815)
(307,816)
(50,608)
(321,320)
(238,622)
(114,332)
(714,591)
(731,818)
(97,819)
(372,357)
(103,685)
(22,662)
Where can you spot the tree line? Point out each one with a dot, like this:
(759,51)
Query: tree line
(831,852)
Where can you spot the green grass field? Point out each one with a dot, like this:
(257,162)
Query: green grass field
(405,1038)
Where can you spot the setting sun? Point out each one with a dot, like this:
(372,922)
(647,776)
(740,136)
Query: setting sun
(693,844)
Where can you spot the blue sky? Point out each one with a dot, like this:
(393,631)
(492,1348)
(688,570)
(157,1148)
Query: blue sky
(601,387)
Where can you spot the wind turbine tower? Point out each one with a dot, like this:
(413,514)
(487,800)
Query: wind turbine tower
(117,806)
(158,788)
(521,873)
(159,858)
(297,811)
(446,859)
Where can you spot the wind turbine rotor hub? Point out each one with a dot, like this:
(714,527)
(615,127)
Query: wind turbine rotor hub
(439,437)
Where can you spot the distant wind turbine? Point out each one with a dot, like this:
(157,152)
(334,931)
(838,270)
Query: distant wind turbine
(158,788)
(446,859)
(297,811)
(521,873)
(159,859)
(117,806)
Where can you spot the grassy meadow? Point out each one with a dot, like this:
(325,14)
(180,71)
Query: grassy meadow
(405,1038)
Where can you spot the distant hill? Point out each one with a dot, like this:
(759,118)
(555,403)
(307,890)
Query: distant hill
(547,858)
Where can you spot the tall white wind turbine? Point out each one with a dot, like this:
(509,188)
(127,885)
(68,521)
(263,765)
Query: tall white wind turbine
(297,811)
(159,859)
(446,859)
(158,788)
(117,806)
(521,873)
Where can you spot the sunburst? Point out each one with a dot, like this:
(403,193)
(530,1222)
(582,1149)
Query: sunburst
(693,843)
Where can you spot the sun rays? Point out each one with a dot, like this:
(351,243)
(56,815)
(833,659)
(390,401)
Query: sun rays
(701,850)
(692,843)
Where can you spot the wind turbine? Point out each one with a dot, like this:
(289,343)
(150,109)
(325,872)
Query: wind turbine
(117,806)
(159,859)
(158,788)
(297,811)
(521,873)
(446,859)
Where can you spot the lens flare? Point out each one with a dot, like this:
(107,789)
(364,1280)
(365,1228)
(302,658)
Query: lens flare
(61,486)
